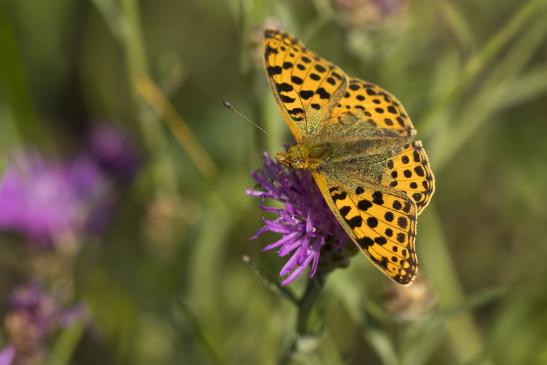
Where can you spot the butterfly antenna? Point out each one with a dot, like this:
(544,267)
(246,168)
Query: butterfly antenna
(229,106)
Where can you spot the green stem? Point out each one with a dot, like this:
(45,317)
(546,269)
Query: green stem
(201,335)
(13,85)
(137,63)
(305,304)
(304,340)
(67,342)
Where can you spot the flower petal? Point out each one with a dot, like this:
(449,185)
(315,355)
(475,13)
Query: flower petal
(296,272)
(285,239)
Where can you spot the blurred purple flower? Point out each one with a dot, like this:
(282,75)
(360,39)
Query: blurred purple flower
(46,200)
(7,355)
(38,310)
(33,316)
(38,198)
(95,190)
(369,13)
(305,221)
(114,152)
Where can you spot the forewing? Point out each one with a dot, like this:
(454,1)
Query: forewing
(410,173)
(379,220)
(305,86)
(368,103)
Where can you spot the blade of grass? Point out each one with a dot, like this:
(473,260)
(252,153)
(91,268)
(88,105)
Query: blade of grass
(14,84)
(477,62)
(529,86)
(110,11)
(529,10)
(421,339)
(145,87)
(66,343)
(490,98)
(123,19)
(274,286)
(370,322)
(465,338)
(381,343)
(177,125)
(329,351)
(474,300)
(181,309)
(457,24)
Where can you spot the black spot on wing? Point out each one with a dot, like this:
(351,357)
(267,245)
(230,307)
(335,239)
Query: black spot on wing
(380,240)
(354,87)
(306,94)
(339,196)
(315,77)
(365,242)
(296,114)
(364,205)
(419,171)
(273,70)
(377,197)
(269,50)
(355,222)
(344,210)
(319,68)
(323,94)
(284,87)
(297,80)
(286,99)
(372,222)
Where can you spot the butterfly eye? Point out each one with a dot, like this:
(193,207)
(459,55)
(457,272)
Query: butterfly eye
(296,162)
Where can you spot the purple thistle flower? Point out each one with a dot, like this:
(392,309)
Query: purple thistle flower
(33,316)
(47,200)
(114,152)
(38,309)
(38,199)
(370,13)
(7,355)
(95,189)
(305,221)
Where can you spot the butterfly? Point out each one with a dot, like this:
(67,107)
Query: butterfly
(359,144)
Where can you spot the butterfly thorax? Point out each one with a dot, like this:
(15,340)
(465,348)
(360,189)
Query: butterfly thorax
(302,156)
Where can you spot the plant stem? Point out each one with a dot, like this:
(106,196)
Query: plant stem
(137,64)
(305,304)
(305,339)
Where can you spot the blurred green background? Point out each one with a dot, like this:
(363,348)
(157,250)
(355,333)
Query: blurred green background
(166,283)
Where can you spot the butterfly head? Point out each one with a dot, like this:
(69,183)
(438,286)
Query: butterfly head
(296,157)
